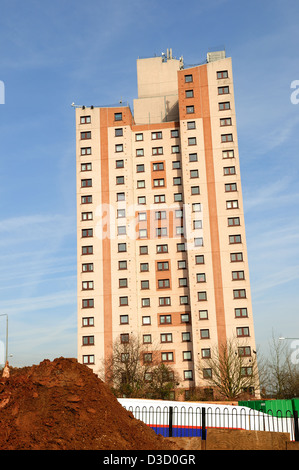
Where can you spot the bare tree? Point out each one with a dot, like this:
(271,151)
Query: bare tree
(134,370)
(231,370)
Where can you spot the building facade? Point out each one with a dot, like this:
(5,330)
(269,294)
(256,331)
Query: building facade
(161,235)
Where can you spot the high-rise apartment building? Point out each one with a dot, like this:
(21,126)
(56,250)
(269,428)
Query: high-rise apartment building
(161,236)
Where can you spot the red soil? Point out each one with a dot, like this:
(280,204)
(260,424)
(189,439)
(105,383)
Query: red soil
(63,405)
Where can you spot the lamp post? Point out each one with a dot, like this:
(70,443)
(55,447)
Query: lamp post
(6,345)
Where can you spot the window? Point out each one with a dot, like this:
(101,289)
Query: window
(241,312)
(178,197)
(166,338)
(167,356)
(156,135)
(122,265)
(198,241)
(123,301)
(222,74)
(142,216)
(140,184)
(230,187)
(226,137)
(159,198)
(121,213)
(235,257)
(183,282)
(179,214)
(119,164)
(229,170)
(188,375)
(87,250)
(184,300)
(202,295)
(89,359)
(85,135)
(186,336)
(87,321)
(144,284)
(223,90)
(139,152)
(141,200)
(163,283)
(233,221)
(196,207)
(239,293)
(147,357)
(123,282)
(124,319)
(124,338)
(87,183)
(174,133)
(159,182)
(232,204)
(147,339)
(162,249)
(185,318)
(207,373)
(197,224)
(195,190)
(235,239)
(188,78)
(143,250)
(157,150)
(87,232)
(161,232)
(87,285)
(194,174)
(87,303)
(225,122)
(86,216)
(86,151)
(120,180)
(144,267)
(86,167)
(138,137)
(176,165)
(122,247)
(165,319)
(119,132)
(189,109)
(164,301)
(145,302)
(140,168)
(163,266)
(228,154)
(238,275)
(118,116)
(158,166)
(206,353)
(181,247)
(191,125)
(205,334)
(85,119)
(192,157)
(146,320)
(203,315)
(199,259)
(175,149)
(189,94)
(177,180)
(120,196)
(87,267)
(224,106)
(242,331)
(200,277)
(191,140)
(160,215)
(244,351)
(246,371)
(187,356)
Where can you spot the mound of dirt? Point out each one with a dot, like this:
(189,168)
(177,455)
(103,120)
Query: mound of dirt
(63,405)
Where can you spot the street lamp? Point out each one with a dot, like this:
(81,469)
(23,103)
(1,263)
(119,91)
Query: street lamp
(282,338)
(6,346)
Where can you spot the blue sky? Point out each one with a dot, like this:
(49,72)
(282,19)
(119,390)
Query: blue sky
(54,53)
